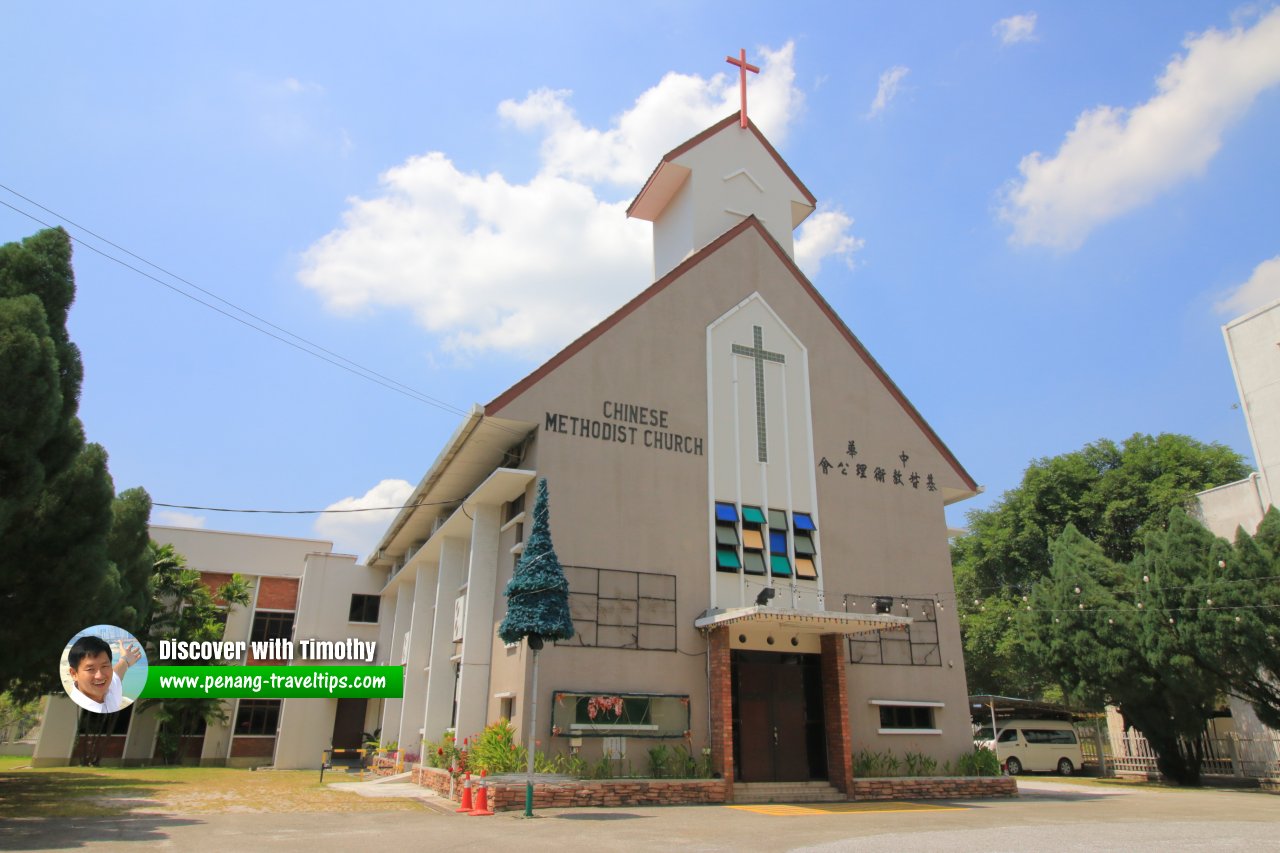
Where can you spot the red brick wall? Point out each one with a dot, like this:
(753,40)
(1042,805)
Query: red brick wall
(253,747)
(721,734)
(835,707)
(277,593)
(214,580)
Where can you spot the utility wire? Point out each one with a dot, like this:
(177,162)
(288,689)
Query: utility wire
(304,511)
(311,348)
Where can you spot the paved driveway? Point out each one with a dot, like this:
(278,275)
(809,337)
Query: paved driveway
(1049,816)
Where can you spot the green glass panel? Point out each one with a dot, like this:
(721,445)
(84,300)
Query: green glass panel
(804,544)
(777,519)
(752,515)
(726,535)
(755,562)
(781,565)
(727,558)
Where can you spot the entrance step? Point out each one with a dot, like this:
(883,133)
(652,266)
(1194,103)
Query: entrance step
(786,792)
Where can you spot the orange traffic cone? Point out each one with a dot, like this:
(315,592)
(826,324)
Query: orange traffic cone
(466,795)
(482,800)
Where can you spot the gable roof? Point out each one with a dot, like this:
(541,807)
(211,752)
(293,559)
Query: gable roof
(506,397)
(674,153)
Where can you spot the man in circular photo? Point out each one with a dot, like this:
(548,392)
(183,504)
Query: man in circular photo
(96,684)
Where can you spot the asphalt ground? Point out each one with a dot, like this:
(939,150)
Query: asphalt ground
(1048,816)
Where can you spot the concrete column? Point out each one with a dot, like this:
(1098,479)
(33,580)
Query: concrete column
(439,698)
(415,676)
(140,742)
(479,627)
(401,622)
(721,735)
(835,708)
(57,733)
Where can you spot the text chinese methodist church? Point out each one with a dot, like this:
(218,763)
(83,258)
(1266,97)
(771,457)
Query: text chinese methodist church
(748,510)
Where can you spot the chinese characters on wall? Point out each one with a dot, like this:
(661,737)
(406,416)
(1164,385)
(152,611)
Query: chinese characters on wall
(900,474)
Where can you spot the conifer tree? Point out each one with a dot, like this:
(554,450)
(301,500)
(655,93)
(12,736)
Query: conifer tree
(57,502)
(538,594)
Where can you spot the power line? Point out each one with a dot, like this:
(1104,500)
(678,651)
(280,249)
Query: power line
(302,511)
(311,348)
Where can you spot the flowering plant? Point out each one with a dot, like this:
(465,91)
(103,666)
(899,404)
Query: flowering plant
(598,705)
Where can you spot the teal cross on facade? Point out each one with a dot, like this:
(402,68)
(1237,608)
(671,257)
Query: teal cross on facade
(760,355)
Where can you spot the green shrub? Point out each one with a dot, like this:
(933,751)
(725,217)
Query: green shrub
(980,762)
(494,750)
(660,762)
(876,764)
(919,764)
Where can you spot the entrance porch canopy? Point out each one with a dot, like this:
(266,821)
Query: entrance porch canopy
(804,621)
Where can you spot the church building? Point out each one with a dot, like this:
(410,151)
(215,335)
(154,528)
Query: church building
(749,512)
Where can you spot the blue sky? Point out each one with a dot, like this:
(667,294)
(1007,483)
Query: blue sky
(1036,217)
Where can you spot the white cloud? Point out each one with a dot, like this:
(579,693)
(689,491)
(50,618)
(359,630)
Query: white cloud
(173,518)
(1116,159)
(1016,28)
(889,82)
(826,234)
(493,265)
(1262,288)
(357,532)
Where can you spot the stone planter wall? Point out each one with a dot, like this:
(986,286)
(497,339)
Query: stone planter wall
(934,787)
(509,795)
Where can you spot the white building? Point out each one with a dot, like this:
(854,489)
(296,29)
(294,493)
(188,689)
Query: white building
(299,589)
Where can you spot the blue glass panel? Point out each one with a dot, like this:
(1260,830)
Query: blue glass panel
(803,521)
(777,542)
(726,512)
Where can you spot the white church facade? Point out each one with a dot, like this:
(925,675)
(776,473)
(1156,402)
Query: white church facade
(750,515)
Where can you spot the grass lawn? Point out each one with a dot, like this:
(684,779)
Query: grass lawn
(92,791)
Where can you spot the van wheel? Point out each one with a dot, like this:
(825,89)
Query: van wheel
(1014,766)
(1065,767)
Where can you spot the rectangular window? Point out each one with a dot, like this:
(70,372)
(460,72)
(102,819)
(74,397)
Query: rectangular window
(364,608)
(272,626)
(582,714)
(258,717)
(907,716)
(512,508)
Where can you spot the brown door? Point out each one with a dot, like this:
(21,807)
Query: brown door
(348,723)
(772,726)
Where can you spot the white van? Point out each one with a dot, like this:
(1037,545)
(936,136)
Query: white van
(1038,745)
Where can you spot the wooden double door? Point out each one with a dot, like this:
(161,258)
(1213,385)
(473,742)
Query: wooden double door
(778,728)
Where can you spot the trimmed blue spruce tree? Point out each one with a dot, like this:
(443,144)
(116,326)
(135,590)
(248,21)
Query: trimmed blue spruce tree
(537,608)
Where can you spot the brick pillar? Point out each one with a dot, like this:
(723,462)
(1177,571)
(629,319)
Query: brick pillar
(835,707)
(721,687)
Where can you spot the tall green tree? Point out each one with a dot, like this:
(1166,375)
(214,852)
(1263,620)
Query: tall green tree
(1139,635)
(1113,494)
(185,609)
(57,502)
